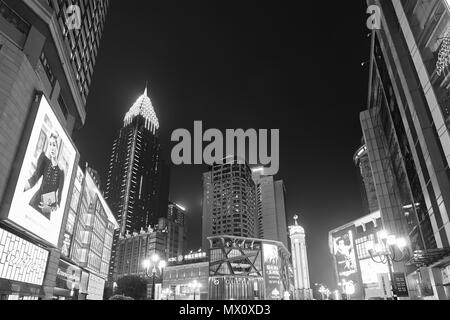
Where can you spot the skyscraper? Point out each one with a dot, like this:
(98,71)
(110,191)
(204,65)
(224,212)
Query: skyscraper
(229,201)
(271,207)
(46,67)
(137,184)
(302,285)
(406,131)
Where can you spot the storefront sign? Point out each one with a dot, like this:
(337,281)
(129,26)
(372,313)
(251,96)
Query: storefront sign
(400,285)
(21,260)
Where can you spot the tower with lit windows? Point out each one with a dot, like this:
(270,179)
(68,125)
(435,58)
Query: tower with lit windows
(137,184)
(300,262)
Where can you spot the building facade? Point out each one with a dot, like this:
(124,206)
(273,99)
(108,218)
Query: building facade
(180,275)
(406,131)
(43,87)
(271,207)
(300,265)
(353,265)
(368,192)
(249,269)
(229,201)
(137,186)
(87,245)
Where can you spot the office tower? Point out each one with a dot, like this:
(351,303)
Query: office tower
(271,207)
(46,67)
(229,201)
(176,213)
(367,187)
(406,131)
(137,185)
(176,237)
(302,285)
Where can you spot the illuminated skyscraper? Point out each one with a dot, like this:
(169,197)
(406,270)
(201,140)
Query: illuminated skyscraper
(271,207)
(137,186)
(300,262)
(368,192)
(229,202)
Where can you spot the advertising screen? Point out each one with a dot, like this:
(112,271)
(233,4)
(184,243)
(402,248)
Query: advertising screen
(96,287)
(346,263)
(21,260)
(272,276)
(41,192)
(68,276)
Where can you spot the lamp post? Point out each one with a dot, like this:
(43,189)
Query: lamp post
(156,262)
(194,285)
(385,251)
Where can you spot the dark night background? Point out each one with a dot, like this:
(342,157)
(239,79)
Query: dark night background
(244,64)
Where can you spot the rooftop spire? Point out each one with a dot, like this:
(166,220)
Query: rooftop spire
(143,107)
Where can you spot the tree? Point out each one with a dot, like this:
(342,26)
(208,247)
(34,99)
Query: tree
(132,286)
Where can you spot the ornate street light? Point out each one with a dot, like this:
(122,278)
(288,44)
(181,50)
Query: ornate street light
(385,252)
(156,262)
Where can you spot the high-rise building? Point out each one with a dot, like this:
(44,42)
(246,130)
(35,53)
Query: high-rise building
(229,201)
(271,207)
(302,285)
(406,131)
(368,193)
(46,68)
(176,213)
(137,185)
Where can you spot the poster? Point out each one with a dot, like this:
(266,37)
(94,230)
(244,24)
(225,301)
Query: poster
(41,192)
(272,276)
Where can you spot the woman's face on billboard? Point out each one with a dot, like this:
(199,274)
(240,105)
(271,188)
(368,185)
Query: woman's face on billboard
(53,147)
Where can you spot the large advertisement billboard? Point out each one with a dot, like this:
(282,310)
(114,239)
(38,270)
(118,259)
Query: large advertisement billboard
(347,266)
(272,276)
(40,197)
(21,260)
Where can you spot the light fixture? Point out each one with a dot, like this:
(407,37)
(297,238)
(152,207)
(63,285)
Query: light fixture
(391,240)
(402,243)
(383,235)
(155,258)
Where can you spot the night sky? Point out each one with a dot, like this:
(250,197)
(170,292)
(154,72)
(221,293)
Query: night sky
(293,66)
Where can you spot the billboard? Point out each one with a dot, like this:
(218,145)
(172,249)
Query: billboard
(68,276)
(39,200)
(272,275)
(21,260)
(96,287)
(347,266)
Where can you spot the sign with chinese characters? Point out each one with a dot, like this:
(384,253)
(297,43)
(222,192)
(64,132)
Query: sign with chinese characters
(401,288)
(272,275)
(96,287)
(188,257)
(68,276)
(21,260)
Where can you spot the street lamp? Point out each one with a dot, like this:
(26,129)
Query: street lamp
(156,262)
(194,285)
(385,251)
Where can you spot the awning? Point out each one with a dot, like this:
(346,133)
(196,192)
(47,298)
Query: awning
(426,258)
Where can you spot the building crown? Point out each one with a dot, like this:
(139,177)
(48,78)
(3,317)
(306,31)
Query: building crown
(143,107)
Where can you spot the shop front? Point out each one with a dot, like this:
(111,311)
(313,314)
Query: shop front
(22,268)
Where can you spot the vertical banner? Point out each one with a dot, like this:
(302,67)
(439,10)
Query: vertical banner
(272,277)
(347,265)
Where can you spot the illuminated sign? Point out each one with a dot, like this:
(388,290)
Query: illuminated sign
(347,266)
(42,188)
(272,276)
(446,275)
(68,276)
(189,257)
(96,287)
(21,260)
